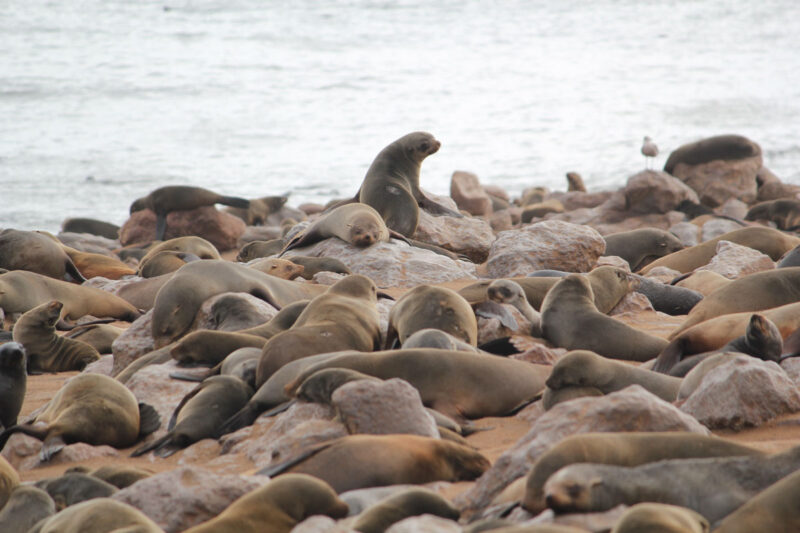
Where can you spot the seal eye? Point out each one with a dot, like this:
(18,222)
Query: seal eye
(424,147)
(574,491)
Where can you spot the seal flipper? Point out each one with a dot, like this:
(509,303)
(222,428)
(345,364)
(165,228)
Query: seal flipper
(304,238)
(155,445)
(491,309)
(189,377)
(72,273)
(274,470)
(234,201)
(669,357)
(191,394)
(52,444)
(245,417)
(435,208)
(161,226)
(265,295)
(149,419)
(39,433)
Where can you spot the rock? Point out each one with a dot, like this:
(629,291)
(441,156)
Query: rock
(537,353)
(327,278)
(237,310)
(743,391)
(734,208)
(22,452)
(735,261)
(551,244)
(392,264)
(663,274)
(425,523)
(614,261)
(686,232)
(260,233)
(792,368)
(631,409)
(533,195)
(541,209)
(320,524)
(382,408)
(715,180)
(490,329)
(501,220)
(219,228)
(716,227)
(468,194)
(573,200)
(134,342)
(186,496)
(497,191)
(104,365)
(284,436)
(770,187)
(86,242)
(152,385)
(471,237)
(633,302)
(653,191)
(285,212)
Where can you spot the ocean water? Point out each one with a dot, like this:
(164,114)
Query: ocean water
(102,101)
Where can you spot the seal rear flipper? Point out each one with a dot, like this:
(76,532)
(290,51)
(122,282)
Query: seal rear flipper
(502,346)
(51,446)
(155,445)
(669,357)
(149,419)
(304,238)
(39,433)
(245,417)
(265,295)
(279,468)
(234,201)
(188,377)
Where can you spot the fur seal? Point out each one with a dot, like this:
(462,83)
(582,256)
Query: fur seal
(769,241)
(357,224)
(118,475)
(257,249)
(436,338)
(27,506)
(773,509)
(575,182)
(427,306)
(91,265)
(320,386)
(277,507)
(92,226)
(641,246)
(99,515)
(99,336)
(21,291)
(609,286)
(180,298)
(343,318)
(685,482)
(46,350)
(571,320)
(313,265)
(75,487)
(662,518)
(116,417)
(391,185)
(790,258)
(259,209)
(761,339)
(164,200)
(703,281)
(9,479)
(667,298)
(190,244)
(164,262)
(360,461)
(141,294)
(412,502)
(13,380)
(725,147)
(38,252)
(754,292)
(785,213)
(582,368)
(280,268)
(200,414)
(506,291)
(623,449)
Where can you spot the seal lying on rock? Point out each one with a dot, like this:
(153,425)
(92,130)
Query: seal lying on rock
(36,252)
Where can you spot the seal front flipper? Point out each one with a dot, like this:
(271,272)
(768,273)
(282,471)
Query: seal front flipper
(161,226)
(435,208)
(149,419)
(274,470)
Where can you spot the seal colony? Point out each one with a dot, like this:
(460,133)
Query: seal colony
(640,336)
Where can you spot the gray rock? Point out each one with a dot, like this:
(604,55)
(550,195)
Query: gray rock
(179,499)
(735,261)
(631,409)
(382,408)
(551,244)
(468,236)
(104,365)
(133,343)
(654,191)
(687,232)
(152,385)
(792,368)
(743,391)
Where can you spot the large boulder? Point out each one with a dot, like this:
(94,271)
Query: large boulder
(735,261)
(221,229)
(652,191)
(718,168)
(467,236)
(551,244)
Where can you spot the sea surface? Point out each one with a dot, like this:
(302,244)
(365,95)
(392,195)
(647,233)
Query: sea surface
(102,101)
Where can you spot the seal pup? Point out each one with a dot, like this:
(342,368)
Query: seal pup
(200,414)
(27,506)
(313,265)
(117,419)
(391,185)
(662,518)
(99,515)
(259,209)
(582,368)
(13,380)
(36,251)
(46,350)
(91,265)
(118,475)
(412,502)
(99,336)
(75,487)
(345,317)
(785,213)
(360,461)
(570,320)
(649,150)
(506,291)
(429,306)
(280,268)
(258,249)
(164,200)
(164,262)
(623,449)
(642,246)
(575,182)
(277,507)
(665,298)
(773,509)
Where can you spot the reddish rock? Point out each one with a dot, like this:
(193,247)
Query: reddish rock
(152,385)
(22,452)
(425,523)
(545,245)
(468,194)
(221,229)
(541,209)
(653,191)
(633,302)
(497,192)
(579,200)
